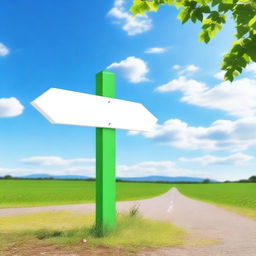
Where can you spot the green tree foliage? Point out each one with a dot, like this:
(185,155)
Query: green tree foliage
(212,15)
(7,177)
(252,179)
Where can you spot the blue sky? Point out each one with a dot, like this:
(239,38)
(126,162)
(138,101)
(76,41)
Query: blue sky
(206,128)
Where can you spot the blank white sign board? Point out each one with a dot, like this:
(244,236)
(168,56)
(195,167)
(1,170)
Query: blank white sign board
(74,108)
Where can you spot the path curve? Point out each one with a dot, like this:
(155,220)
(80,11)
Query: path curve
(236,234)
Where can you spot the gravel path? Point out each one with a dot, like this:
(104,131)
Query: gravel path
(236,235)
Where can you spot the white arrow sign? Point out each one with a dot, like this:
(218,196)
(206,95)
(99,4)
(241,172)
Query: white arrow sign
(74,108)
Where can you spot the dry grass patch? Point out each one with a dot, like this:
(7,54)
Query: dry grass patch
(66,229)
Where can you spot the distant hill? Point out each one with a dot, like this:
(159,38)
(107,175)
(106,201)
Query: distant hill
(60,177)
(138,179)
(165,179)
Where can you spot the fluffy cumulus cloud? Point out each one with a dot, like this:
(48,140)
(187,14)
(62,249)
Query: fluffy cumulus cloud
(156,50)
(237,99)
(132,25)
(10,107)
(54,161)
(220,135)
(4,50)
(186,70)
(234,159)
(132,68)
(187,86)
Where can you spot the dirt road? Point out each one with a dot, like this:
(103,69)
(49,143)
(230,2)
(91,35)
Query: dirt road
(236,235)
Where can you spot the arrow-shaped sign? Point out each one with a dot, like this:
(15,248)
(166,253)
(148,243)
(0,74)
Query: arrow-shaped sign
(101,111)
(74,108)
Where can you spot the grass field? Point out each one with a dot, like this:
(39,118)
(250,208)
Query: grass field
(240,197)
(18,193)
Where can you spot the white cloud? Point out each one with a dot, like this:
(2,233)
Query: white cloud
(237,98)
(234,159)
(220,75)
(162,168)
(132,25)
(184,85)
(159,168)
(10,107)
(251,68)
(132,68)
(54,160)
(4,50)
(88,171)
(189,69)
(156,50)
(176,67)
(148,168)
(220,135)
(186,70)
(19,172)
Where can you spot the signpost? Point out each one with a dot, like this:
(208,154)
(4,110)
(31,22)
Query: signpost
(106,114)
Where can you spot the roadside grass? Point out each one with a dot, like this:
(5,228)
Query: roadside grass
(65,229)
(26,193)
(237,197)
(248,212)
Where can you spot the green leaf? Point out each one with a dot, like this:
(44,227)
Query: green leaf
(204,36)
(251,50)
(237,48)
(227,1)
(243,13)
(241,31)
(229,76)
(224,7)
(184,15)
(223,18)
(215,2)
(170,2)
(179,3)
(193,16)
(199,15)
(252,22)
(153,5)
(246,58)
(205,9)
(236,73)
(139,7)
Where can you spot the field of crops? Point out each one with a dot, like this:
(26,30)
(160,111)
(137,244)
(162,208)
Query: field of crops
(17,193)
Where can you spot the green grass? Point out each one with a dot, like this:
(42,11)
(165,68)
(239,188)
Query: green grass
(240,197)
(22,193)
(65,228)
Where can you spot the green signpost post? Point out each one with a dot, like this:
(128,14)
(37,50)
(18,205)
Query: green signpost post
(105,161)
(107,114)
